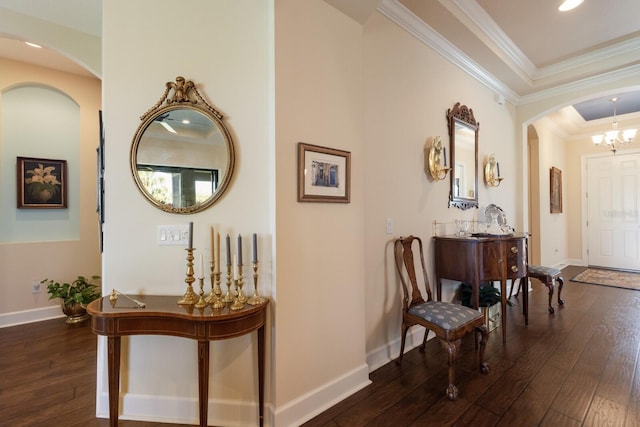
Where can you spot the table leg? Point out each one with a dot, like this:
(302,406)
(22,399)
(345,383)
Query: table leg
(203,382)
(261,373)
(503,314)
(113,372)
(525,298)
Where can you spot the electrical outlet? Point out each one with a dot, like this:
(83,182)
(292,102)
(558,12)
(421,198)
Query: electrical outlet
(389,225)
(36,287)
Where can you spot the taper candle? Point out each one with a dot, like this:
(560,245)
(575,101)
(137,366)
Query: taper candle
(213,247)
(255,247)
(218,252)
(228,250)
(498,168)
(201,265)
(444,155)
(191,235)
(235,267)
(239,249)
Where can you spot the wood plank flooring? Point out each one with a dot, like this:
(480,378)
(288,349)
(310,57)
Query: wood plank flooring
(578,367)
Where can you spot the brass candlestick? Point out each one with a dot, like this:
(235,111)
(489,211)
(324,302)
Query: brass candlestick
(189,296)
(256,299)
(229,296)
(215,297)
(241,296)
(212,295)
(201,304)
(237,304)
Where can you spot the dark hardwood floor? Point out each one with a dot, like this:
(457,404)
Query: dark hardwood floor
(578,367)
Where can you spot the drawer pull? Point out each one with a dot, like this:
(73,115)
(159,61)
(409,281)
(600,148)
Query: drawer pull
(514,249)
(514,268)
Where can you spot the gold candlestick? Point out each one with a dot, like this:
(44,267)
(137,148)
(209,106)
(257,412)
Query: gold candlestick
(201,304)
(189,297)
(241,296)
(237,304)
(212,295)
(218,302)
(256,299)
(229,296)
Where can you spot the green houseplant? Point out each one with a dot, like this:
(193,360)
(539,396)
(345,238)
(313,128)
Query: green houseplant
(74,296)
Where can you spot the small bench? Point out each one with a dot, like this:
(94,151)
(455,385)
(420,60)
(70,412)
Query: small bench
(546,275)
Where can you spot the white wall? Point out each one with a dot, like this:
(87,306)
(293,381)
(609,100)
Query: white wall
(25,258)
(224,48)
(320,340)
(408,90)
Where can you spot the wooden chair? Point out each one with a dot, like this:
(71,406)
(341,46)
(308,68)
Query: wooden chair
(450,322)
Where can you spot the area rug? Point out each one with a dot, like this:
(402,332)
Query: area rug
(617,279)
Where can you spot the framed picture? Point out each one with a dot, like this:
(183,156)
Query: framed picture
(324,174)
(556,190)
(42,183)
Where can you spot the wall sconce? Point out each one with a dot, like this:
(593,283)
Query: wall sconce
(437,160)
(492,172)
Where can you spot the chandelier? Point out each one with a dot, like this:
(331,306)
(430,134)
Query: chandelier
(614,138)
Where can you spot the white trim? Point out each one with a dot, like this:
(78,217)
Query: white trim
(179,410)
(390,351)
(310,404)
(30,316)
(402,16)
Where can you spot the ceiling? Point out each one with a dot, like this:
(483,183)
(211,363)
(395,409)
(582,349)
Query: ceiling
(523,49)
(527,50)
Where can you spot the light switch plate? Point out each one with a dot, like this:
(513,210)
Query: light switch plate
(173,235)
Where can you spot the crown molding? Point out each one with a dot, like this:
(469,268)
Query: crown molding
(404,18)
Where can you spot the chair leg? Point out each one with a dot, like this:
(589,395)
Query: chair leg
(549,283)
(560,285)
(452,352)
(405,328)
(424,341)
(483,332)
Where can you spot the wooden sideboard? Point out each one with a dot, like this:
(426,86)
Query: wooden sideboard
(162,316)
(476,260)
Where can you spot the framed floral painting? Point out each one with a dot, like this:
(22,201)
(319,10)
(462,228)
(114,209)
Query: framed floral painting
(42,183)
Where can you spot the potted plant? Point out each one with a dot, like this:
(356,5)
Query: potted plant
(74,296)
(488,297)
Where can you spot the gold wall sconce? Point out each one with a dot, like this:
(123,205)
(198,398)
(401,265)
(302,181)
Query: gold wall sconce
(437,160)
(492,172)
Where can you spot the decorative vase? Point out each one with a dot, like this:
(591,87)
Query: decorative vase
(75,312)
(43,196)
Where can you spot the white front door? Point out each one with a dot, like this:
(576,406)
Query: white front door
(613,195)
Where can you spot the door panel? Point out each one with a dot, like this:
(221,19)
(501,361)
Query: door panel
(613,189)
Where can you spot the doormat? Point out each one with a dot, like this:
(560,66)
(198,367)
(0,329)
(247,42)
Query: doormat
(616,279)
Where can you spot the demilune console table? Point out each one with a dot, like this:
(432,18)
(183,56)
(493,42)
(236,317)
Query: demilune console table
(474,260)
(162,316)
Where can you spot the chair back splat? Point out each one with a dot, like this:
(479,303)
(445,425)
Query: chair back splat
(450,322)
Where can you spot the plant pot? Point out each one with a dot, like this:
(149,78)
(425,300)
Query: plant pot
(76,313)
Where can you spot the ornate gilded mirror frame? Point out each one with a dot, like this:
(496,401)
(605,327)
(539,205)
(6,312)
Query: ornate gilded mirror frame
(463,134)
(183,143)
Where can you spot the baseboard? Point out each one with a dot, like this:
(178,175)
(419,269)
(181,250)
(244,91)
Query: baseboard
(178,410)
(317,401)
(30,316)
(390,351)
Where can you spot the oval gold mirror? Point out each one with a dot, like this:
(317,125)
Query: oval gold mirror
(463,134)
(182,156)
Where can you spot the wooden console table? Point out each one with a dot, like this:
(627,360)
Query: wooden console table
(474,260)
(162,316)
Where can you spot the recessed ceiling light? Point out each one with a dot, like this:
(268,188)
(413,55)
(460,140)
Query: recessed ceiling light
(33,45)
(569,4)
